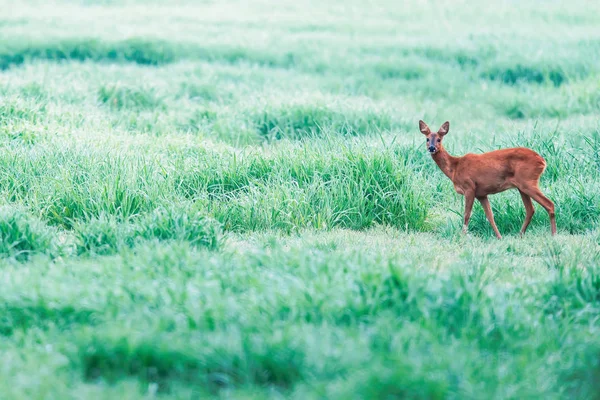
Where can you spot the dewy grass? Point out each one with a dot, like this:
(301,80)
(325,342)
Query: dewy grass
(139,51)
(22,235)
(238,203)
(305,121)
(146,52)
(106,235)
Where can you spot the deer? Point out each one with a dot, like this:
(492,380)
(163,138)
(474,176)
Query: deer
(476,176)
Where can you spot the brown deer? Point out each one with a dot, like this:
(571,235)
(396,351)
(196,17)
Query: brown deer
(476,176)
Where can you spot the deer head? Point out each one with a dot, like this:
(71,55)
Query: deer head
(434,140)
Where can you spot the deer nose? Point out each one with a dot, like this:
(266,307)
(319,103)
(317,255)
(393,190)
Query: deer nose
(431,149)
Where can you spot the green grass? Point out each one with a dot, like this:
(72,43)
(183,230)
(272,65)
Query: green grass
(210,200)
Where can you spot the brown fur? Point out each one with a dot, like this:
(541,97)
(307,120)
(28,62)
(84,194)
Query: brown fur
(476,176)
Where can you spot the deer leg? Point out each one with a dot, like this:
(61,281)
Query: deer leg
(469,199)
(529,211)
(545,202)
(489,214)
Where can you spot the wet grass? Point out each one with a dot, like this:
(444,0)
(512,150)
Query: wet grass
(240,205)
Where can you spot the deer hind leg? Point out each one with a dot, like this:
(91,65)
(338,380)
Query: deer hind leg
(529,211)
(489,214)
(469,199)
(545,202)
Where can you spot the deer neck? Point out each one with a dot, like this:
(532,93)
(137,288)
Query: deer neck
(446,162)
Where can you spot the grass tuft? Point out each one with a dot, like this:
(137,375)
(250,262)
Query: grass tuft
(120,98)
(305,121)
(164,362)
(23,316)
(513,75)
(106,235)
(22,236)
(135,50)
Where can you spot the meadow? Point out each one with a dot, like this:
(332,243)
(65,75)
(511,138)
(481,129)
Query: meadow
(204,199)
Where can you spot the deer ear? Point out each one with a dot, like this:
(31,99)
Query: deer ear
(444,128)
(424,128)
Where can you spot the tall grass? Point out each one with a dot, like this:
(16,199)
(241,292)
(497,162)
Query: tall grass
(205,201)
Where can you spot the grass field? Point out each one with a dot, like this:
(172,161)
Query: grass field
(233,199)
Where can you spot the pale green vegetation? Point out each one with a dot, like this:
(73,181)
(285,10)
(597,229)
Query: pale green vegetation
(233,199)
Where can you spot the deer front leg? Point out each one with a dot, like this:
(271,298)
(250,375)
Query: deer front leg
(469,199)
(489,214)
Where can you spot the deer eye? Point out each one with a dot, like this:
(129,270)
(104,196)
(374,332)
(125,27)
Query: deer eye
(439,140)
(428,139)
